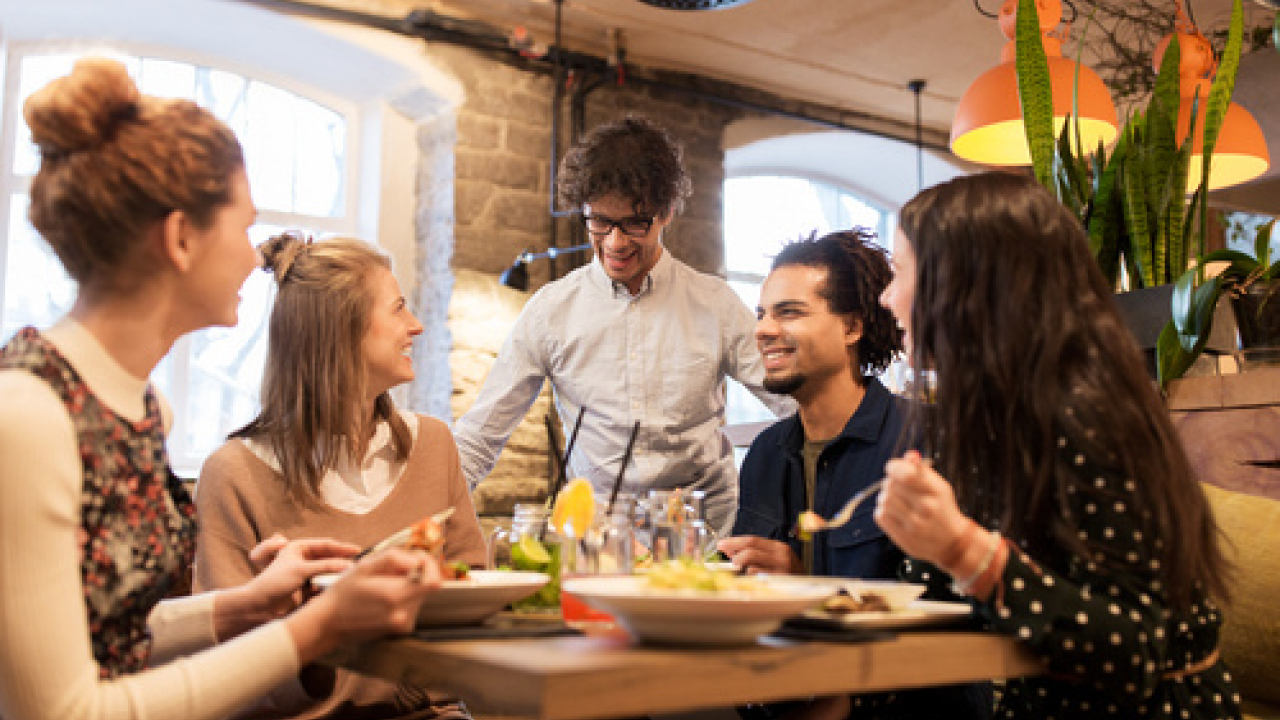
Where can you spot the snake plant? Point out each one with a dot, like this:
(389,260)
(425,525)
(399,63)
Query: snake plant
(1133,201)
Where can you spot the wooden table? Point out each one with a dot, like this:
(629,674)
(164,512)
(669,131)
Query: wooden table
(607,676)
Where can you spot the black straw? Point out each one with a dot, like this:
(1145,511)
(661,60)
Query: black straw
(554,445)
(622,469)
(564,461)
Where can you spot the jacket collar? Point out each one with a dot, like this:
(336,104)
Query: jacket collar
(866,424)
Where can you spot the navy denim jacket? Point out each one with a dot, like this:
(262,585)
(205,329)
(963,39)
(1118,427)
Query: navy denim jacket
(772,487)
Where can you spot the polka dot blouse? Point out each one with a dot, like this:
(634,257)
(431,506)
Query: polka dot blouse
(1112,646)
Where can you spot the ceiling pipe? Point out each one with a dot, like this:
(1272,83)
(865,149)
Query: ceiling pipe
(431,26)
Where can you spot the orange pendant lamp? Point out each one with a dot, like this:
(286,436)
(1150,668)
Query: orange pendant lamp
(1240,152)
(988,122)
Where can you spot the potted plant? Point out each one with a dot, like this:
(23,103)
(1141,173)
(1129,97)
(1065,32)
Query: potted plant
(1133,201)
(1252,283)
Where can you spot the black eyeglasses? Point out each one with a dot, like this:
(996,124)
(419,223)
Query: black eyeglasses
(634,226)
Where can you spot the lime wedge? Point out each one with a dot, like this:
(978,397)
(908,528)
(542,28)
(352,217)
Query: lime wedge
(529,554)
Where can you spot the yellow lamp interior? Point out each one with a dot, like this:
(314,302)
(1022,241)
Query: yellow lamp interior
(1005,143)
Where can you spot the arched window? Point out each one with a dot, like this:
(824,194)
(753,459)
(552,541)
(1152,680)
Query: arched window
(301,172)
(761,214)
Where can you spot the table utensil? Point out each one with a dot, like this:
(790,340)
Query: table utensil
(811,522)
(401,536)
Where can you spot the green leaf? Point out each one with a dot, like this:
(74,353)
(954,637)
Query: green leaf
(1224,84)
(1035,92)
(1134,194)
(1262,245)
(1171,360)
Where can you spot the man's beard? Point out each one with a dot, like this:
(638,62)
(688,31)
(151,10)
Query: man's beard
(784,385)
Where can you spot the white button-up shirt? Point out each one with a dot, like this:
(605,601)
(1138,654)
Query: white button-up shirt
(659,357)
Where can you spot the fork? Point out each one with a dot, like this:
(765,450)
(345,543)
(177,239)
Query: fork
(811,522)
(401,536)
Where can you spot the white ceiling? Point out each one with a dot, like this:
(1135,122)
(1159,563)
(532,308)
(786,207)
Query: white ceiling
(852,54)
(856,55)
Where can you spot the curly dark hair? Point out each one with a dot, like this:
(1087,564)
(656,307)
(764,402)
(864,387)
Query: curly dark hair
(632,157)
(857,272)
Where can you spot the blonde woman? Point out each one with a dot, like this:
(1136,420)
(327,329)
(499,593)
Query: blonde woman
(330,454)
(146,203)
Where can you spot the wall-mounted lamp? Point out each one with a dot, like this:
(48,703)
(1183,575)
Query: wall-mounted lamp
(516,277)
(988,122)
(1240,152)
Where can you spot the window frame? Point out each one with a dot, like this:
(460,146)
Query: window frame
(356,209)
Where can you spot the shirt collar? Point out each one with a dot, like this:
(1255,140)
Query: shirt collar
(866,424)
(658,278)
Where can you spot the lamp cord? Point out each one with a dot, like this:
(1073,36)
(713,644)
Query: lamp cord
(917,87)
(1074,13)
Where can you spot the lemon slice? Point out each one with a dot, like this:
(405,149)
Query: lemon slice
(575,507)
(529,554)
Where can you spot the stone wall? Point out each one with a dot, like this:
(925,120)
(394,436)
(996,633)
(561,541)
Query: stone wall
(502,203)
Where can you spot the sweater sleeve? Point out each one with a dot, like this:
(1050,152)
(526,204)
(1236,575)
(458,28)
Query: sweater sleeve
(47,669)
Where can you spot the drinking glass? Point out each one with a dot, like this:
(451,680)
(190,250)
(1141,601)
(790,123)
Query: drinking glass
(529,543)
(606,548)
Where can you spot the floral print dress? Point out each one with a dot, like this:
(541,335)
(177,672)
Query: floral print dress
(1111,645)
(137,522)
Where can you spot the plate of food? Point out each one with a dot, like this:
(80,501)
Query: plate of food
(688,603)
(470,599)
(854,594)
(917,613)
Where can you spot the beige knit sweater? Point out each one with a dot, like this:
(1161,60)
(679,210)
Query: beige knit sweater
(241,501)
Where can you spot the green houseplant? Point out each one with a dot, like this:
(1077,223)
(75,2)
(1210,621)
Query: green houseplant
(1133,201)
(1196,297)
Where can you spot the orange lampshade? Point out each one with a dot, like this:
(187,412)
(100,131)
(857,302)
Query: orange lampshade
(1240,152)
(988,123)
(1239,155)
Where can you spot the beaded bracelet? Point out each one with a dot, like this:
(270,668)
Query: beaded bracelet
(962,587)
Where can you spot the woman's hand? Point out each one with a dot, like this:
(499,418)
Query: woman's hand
(917,510)
(377,596)
(286,567)
(281,585)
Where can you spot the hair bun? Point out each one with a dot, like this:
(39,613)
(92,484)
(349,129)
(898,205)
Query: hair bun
(84,109)
(280,252)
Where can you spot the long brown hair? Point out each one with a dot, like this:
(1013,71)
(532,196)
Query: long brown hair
(113,162)
(1014,316)
(313,388)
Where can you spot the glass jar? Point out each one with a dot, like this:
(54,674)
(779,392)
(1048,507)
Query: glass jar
(528,543)
(699,541)
(606,548)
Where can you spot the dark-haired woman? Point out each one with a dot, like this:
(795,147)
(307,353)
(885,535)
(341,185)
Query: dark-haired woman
(1060,499)
(147,205)
(330,454)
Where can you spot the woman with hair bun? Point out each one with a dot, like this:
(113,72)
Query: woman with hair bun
(146,203)
(330,454)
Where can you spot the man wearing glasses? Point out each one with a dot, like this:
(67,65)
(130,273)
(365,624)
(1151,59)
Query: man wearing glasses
(635,336)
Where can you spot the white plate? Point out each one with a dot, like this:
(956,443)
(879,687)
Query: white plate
(921,613)
(896,594)
(469,601)
(691,617)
